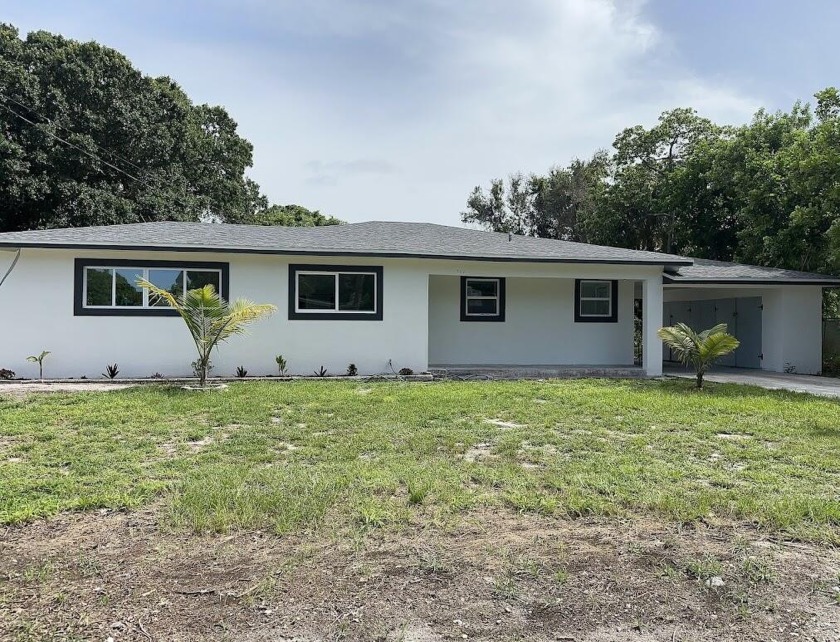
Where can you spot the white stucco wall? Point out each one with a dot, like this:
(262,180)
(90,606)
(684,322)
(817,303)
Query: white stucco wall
(539,326)
(37,314)
(791,321)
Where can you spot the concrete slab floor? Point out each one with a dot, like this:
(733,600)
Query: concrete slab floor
(822,386)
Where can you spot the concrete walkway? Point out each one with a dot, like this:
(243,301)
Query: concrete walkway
(822,386)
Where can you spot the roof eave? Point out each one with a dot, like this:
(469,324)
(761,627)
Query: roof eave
(823,282)
(297,252)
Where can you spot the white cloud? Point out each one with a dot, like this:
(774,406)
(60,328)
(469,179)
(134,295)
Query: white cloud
(374,109)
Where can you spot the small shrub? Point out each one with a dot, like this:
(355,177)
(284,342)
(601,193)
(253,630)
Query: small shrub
(241,372)
(321,372)
(210,319)
(699,350)
(406,371)
(5,373)
(352,370)
(281,364)
(39,359)
(156,375)
(111,371)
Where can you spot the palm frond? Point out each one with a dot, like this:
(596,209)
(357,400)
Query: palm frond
(208,317)
(700,350)
(720,327)
(717,345)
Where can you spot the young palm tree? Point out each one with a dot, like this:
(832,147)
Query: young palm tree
(209,318)
(698,350)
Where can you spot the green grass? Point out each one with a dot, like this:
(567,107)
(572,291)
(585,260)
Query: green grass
(285,456)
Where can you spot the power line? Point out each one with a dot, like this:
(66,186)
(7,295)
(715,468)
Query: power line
(84,151)
(74,146)
(70,131)
(184,197)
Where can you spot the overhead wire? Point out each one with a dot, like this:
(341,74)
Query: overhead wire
(88,153)
(70,131)
(73,145)
(76,147)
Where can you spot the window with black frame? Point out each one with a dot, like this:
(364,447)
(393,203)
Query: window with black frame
(327,292)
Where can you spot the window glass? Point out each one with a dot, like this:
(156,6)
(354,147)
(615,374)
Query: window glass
(482,306)
(127,292)
(595,307)
(357,292)
(170,280)
(595,289)
(482,288)
(99,283)
(316,291)
(199,278)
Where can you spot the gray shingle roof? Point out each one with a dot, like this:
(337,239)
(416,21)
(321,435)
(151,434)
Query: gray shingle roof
(358,239)
(390,239)
(707,271)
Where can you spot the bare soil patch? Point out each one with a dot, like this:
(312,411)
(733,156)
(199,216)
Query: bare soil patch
(488,576)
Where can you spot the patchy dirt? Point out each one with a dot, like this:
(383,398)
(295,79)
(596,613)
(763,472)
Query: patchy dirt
(504,425)
(490,576)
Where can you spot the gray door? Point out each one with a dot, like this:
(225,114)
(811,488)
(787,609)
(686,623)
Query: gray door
(748,354)
(702,315)
(726,312)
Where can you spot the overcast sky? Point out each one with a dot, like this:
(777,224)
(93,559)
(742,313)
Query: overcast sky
(395,110)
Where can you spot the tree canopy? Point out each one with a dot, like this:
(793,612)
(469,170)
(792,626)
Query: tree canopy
(767,192)
(86,139)
(293,216)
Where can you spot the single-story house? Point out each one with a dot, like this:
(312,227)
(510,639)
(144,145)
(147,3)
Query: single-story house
(384,295)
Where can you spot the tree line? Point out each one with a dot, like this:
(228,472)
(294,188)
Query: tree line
(87,139)
(765,193)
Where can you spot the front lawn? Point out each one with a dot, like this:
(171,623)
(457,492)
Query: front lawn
(287,456)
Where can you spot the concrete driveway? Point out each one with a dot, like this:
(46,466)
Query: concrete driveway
(822,386)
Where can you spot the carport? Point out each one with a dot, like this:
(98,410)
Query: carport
(776,314)
(742,315)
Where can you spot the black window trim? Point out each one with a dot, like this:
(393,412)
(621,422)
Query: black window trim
(483,318)
(583,318)
(80,310)
(320,315)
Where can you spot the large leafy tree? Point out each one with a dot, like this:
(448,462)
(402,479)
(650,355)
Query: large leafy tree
(556,205)
(767,192)
(293,216)
(640,207)
(86,139)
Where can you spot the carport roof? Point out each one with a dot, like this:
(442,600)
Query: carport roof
(705,271)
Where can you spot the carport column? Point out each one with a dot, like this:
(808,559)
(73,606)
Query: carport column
(651,322)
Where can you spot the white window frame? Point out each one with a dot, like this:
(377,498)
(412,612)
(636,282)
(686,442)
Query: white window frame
(335,274)
(496,298)
(145,274)
(608,299)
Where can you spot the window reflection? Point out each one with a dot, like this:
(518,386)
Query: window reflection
(170,280)
(126,292)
